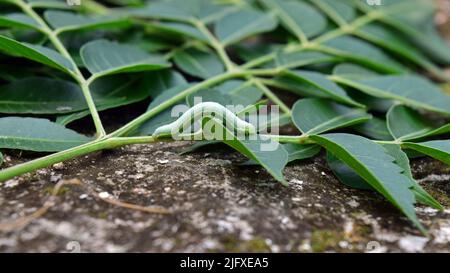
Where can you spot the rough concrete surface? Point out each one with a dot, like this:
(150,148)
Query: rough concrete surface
(215,205)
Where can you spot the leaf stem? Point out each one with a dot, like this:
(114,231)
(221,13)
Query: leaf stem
(270,95)
(77,75)
(218,47)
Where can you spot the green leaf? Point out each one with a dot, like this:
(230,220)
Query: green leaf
(301,151)
(184,10)
(371,161)
(345,174)
(405,123)
(361,52)
(375,128)
(300,18)
(208,95)
(38,95)
(390,40)
(102,57)
(411,90)
(298,59)
(438,149)
(269,154)
(318,84)
(111,92)
(34,134)
(342,9)
(1,159)
(242,24)
(180,29)
(18,20)
(36,53)
(241,92)
(63,21)
(199,63)
(314,116)
(350,178)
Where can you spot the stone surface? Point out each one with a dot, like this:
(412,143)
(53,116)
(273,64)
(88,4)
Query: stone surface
(215,205)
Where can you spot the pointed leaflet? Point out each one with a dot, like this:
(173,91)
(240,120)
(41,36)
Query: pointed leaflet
(361,52)
(19,20)
(300,18)
(315,116)
(350,178)
(241,92)
(438,149)
(180,29)
(39,95)
(411,90)
(103,57)
(317,83)
(36,53)
(242,24)
(199,63)
(405,123)
(301,151)
(184,10)
(63,21)
(371,161)
(299,59)
(375,128)
(112,92)
(338,11)
(35,134)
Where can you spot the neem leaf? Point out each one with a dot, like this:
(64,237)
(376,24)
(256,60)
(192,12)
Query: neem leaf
(35,134)
(405,123)
(374,128)
(268,153)
(199,63)
(345,174)
(242,24)
(102,57)
(63,21)
(36,53)
(39,95)
(300,18)
(184,10)
(19,20)
(299,59)
(301,151)
(350,178)
(358,51)
(112,92)
(438,149)
(342,9)
(181,29)
(371,161)
(411,90)
(314,116)
(241,92)
(318,83)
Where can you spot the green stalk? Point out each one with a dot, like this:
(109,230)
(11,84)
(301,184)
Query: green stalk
(78,76)
(49,160)
(218,47)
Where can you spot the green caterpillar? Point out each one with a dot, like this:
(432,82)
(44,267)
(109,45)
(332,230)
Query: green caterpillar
(203,110)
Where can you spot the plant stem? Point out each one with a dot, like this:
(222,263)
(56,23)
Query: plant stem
(218,47)
(90,147)
(77,75)
(270,95)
